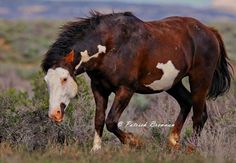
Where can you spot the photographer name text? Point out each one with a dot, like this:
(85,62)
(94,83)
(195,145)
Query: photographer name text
(143,124)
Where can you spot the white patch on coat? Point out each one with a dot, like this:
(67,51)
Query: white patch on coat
(60,91)
(85,56)
(167,79)
(97,142)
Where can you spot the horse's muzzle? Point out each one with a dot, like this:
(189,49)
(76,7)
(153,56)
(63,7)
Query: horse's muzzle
(56,115)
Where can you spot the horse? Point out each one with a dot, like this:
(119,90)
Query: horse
(124,55)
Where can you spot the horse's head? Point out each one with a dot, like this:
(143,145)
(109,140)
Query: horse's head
(62,88)
(90,46)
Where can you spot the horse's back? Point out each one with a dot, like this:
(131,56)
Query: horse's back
(196,36)
(175,21)
(180,26)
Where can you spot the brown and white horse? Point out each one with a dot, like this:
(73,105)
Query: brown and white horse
(125,55)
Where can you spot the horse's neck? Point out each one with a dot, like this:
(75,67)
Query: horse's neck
(92,50)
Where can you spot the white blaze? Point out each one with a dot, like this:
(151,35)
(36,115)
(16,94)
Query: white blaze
(61,87)
(85,56)
(168,77)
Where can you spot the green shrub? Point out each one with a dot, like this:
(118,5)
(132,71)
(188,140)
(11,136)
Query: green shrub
(24,120)
(39,88)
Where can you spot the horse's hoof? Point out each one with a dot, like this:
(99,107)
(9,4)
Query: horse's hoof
(133,141)
(173,142)
(95,149)
(175,146)
(190,148)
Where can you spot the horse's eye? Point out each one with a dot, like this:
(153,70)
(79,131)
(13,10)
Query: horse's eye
(65,79)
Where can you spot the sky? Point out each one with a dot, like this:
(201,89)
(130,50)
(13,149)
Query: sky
(64,9)
(194,3)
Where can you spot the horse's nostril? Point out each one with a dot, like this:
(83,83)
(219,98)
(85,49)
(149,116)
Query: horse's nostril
(63,106)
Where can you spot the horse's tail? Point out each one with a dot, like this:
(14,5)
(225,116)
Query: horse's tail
(222,75)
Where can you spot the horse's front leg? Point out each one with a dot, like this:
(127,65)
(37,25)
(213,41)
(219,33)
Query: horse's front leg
(122,98)
(101,99)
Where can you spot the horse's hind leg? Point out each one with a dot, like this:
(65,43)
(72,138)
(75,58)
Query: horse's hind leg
(199,84)
(183,97)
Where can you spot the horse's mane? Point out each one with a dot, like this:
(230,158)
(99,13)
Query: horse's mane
(70,32)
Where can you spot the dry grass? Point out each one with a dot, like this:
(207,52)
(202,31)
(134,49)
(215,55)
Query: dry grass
(75,153)
(27,135)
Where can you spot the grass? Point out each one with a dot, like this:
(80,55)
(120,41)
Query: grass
(120,154)
(27,135)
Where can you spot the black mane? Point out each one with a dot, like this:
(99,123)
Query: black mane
(70,32)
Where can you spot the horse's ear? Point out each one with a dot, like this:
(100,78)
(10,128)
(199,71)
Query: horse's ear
(69,58)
